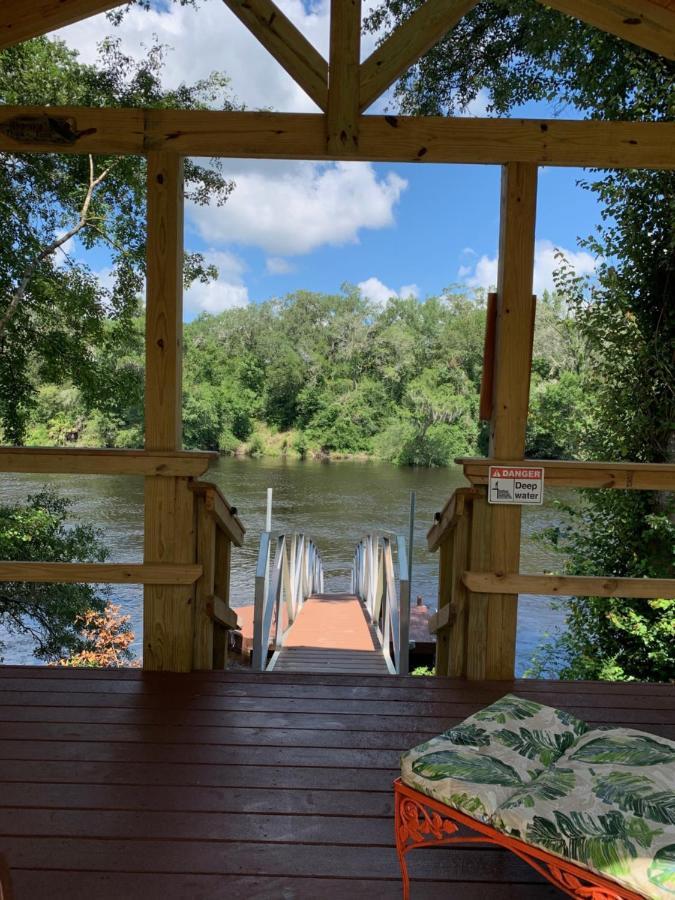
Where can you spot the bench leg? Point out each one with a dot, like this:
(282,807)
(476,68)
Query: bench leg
(423,822)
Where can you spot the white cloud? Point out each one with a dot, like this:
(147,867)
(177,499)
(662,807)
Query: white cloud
(296,208)
(546,262)
(106,277)
(211,38)
(409,290)
(478,106)
(483,274)
(375,290)
(226,291)
(285,207)
(206,40)
(277,265)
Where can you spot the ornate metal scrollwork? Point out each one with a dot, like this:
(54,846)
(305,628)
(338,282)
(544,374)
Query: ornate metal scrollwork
(416,823)
(421,821)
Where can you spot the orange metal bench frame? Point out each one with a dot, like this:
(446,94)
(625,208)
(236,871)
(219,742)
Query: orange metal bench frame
(424,822)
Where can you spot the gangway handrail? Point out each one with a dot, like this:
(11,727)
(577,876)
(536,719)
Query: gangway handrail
(374,581)
(283,581)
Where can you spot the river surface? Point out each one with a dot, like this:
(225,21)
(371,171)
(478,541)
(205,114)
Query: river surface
(334,502)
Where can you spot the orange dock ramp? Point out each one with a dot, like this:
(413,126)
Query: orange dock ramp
(331,634)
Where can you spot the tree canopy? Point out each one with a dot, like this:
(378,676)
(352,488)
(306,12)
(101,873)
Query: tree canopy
(59,320)
(505,53)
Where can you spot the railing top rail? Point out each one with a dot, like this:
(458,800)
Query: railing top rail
(580,474)
(101,461)
(217,505)
(449,516)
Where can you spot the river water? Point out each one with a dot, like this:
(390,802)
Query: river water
(334,502)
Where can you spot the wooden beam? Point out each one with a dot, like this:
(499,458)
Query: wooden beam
(476,631)
(515,311)
(342,117)
(99,573)
(512,363)
(412,39)
(21,20)
(170,530)
(448,517)
(222,614)
(487,381)
(287,44)
(164,311)
(441,619)
(263,135)
(640,22)
(577,585)
(221,590)
(206,557)
(217,506)
(85,461)
(578,474)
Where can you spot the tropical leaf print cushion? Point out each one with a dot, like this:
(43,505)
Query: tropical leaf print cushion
(479,764)
(609,805)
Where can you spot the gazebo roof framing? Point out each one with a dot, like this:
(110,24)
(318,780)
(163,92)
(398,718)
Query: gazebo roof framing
(343,87)
(176,633)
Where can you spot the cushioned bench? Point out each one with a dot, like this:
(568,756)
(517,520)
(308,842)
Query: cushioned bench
(593,810)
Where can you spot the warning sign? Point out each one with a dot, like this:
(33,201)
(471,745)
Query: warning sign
(516,486)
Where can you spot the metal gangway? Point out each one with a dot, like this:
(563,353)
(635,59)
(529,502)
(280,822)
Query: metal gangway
(298,627)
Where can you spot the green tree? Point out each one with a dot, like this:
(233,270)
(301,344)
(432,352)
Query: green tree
(513,51)
(58,323)
(39,531)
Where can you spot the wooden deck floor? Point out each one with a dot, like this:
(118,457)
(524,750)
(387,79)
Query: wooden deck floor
(127,785)
(332,635)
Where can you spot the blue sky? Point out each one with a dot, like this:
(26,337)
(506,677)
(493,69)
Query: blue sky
(412,229)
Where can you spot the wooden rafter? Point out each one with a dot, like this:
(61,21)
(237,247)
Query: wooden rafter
(287,44)
(21,20)
(342,119)
(556,142)
(641,22)
(411,40)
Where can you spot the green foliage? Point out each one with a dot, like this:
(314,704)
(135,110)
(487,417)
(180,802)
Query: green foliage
(612,395)
(606,841)
(662,868)
(550,785)
(466,766)
(544,746)
(635,794)
(58,323)
(468,735)
(39,531)
(625,750)
(313,374)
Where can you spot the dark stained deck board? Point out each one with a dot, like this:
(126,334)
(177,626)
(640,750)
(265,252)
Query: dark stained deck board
(117,885)
(265,697)
(236,785)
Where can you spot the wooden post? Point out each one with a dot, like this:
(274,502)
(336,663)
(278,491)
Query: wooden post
(493,654)
(478,620)
(342,117)
(443,635)
(221,587)
(457,650)
(168,610)
(205,587)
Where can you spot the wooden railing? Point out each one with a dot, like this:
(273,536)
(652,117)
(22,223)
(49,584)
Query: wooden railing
(466,586)
(191,632)
(374,582)
(577,474)
(283,581)
(218,527)
(86,461)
